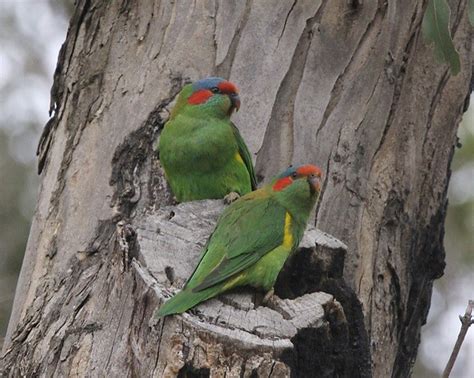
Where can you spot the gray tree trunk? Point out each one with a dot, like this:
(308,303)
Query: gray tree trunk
(351,87)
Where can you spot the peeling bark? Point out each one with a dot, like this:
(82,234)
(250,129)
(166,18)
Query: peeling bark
(352,88)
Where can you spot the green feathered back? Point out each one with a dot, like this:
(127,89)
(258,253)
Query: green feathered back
(253,238)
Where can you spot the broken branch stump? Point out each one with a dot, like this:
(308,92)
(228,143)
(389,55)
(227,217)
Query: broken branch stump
(304,333)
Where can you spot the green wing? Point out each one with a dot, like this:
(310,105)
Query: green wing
(245,155)
(247,230)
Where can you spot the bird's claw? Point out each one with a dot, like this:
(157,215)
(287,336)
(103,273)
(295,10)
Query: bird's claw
(270,299)
(269,296)
(231,197)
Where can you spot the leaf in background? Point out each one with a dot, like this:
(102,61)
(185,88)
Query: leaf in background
(471,12)
(436,29)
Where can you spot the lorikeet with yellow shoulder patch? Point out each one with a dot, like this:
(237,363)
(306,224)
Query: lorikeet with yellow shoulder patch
(253,238)
(201,150)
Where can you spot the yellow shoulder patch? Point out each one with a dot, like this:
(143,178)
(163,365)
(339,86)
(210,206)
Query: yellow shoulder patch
(287,236)
(239,158)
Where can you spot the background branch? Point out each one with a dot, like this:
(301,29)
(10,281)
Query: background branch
(466,322)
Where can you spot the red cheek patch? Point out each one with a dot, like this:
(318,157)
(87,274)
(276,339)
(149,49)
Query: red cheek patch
(199,97)
(282,183)
(227,87)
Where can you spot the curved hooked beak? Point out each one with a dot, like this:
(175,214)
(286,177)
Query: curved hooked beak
(314,184)
(235,100)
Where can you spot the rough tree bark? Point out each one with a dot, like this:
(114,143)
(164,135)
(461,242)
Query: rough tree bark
(350,86)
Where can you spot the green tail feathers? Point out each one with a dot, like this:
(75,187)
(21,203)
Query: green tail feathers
(185,300)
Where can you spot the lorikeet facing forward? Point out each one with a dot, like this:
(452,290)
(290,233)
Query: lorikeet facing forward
(252,239)
(201,150)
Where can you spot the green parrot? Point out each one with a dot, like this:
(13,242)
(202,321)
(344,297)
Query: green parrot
(252,239)
(201,150)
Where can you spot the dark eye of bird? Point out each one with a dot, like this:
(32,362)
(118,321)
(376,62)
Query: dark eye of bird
(215,90)
(294,175)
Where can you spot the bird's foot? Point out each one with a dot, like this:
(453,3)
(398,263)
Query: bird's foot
(231,197)
(270,299)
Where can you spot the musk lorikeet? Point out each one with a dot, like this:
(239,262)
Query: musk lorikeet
(253,238)
(201,150)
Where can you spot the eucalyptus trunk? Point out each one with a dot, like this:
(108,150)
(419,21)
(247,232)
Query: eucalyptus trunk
(350,86)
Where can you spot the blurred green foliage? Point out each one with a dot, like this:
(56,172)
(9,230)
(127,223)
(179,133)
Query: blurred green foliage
(15,211)
(460,219)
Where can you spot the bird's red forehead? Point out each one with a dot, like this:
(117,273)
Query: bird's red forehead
(309,169)
(227,87)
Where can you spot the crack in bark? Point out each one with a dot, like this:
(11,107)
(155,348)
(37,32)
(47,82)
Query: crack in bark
(216,10)
(49,319)
(338,87)
(286,20)
(113,345)
(283,106)
(159,346)
(324,186)
(434,102)
(167,26)
(57,88)
(224,69)
(328,169)
(369,99)
(75,127)
(398,88)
